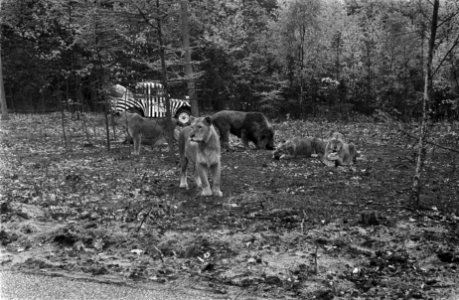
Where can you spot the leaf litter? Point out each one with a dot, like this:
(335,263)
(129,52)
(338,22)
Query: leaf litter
(284,229)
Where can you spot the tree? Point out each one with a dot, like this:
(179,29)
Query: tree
(159,21)
(301,48)
(2,90)
(416,187)
(154,20)
(188,67)
(3,106)
(245,54)
(441,27)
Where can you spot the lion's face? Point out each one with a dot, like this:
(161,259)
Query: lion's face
(334,146)
(286,147)
(266,139)
(337,136)
(200,129)
(121,118)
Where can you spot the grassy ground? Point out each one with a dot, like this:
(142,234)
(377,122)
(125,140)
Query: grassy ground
(284,229)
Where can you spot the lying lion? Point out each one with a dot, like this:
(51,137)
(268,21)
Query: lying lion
(140,128)
(299,147)
(333,152)
(339,153)
(199,144)
(249,126)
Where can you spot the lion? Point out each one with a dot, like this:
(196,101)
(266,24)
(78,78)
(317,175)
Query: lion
(337,136)
(249,126)
(199,144)
(140,128)
(339,153)
(295,147)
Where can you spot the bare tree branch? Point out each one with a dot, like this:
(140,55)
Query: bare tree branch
(448,18)
(429,142)
(456,41)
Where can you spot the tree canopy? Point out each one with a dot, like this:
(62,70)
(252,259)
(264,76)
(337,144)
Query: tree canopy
(302,58)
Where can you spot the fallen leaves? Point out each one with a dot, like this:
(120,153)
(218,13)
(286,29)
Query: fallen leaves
(285,228)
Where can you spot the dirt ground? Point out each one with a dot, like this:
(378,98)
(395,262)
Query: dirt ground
(285,229)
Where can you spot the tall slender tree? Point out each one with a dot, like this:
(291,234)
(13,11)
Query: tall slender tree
(2,87)
(5,115)
(416,187)
(164,77)
(188,67)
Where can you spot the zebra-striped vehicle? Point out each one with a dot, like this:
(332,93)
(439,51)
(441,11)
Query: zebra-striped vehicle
(149,101)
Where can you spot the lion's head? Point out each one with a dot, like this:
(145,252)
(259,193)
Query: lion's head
(122,117)
(337,136)
(333,149)
(201,129)
(334,146)
(284,148)
(266,139)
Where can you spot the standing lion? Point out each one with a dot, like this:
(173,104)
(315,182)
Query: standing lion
(143,129)
(249,126)
(199,144)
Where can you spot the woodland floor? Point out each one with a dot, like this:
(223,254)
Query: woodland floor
(288,229)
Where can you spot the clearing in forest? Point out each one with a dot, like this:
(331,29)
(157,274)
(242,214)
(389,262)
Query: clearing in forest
(283,229)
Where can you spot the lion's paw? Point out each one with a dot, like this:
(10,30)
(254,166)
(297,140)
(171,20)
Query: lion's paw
(206,192)
(198,182)
(328,163)
(218,193)
(333,156)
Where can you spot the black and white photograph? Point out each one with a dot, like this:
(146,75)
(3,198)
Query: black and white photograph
(229,149)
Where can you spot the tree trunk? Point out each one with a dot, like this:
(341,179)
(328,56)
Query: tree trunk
(2,88)
(188,67)
(170,134)
(100,80)
(61,103)
(416,187)
(301,60)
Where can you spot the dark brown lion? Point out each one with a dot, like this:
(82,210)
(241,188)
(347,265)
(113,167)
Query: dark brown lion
(249,126)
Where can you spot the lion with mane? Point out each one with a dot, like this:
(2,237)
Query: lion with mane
(332,152)
(199,144)
(248,126)
(338,152)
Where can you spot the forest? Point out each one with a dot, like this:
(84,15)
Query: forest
(76,203)
(304,58)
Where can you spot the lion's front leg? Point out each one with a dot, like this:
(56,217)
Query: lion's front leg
(326,161)
(197,177)
(202,170)
(137,142)
(261,143)
(216,173)
(244,138)
(224,137)
(184,165)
